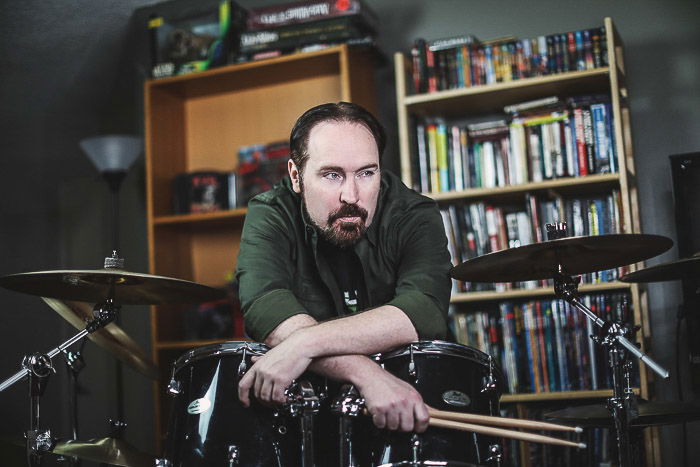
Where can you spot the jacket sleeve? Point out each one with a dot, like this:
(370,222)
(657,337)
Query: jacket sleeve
(264,270)
(423,282)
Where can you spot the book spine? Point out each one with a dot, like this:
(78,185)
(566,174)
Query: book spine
(442,159)
(423,164)
(306,11)
(580,142)
(431,130)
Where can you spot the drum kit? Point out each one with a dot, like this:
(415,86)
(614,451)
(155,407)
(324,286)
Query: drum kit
(323,422)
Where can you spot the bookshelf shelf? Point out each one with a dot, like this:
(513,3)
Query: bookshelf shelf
(234,214)
(198,122)
(515,294)
(484,98)
(558,396)
(578,184)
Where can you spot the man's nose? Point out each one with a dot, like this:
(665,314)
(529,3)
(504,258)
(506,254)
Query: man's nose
(349,192)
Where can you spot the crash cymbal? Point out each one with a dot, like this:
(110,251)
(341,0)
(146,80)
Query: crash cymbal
(130,288)
(675,270)
(577,255)
(650,413)
(105,450)
(111,337)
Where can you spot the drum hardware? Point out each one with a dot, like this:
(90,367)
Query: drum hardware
(560,258)
(242,367)
(348,405)
(234,454)
(38,367)
(111,338)
(161,462)
(495,455)
(412,365)
(649,414)
(303,402)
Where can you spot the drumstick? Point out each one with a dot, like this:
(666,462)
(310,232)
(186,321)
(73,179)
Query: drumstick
(500,421)
(500,432)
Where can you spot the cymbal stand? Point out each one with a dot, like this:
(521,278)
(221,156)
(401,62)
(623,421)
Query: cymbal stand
(38,367)
(623,403)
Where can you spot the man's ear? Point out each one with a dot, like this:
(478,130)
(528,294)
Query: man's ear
(294,175)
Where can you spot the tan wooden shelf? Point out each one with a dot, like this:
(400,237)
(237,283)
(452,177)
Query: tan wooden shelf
(238,214)
(514,294)
(573,184)
(558,396)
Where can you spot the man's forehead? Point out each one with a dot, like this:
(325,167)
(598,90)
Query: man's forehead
(333,140)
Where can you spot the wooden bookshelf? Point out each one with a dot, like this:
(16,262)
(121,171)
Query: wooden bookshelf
(464,104)
(198,122)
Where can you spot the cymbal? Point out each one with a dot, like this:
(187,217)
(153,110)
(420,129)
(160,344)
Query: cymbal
(679,269)
(105,450)
(650,413)
(93,286)
(577,255)
(111,337)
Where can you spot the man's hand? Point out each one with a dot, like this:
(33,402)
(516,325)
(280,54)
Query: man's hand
(273,372)
(393,403)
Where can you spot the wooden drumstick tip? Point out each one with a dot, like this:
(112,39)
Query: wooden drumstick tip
(582,445)
(578,429)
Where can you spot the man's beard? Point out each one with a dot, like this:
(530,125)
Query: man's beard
(341,234)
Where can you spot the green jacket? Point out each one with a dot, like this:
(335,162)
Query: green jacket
(403,254)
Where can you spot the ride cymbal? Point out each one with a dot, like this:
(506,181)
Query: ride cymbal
(650,413)
(675,270)
(111,337)
(105,450)
(94,286)
(576,255)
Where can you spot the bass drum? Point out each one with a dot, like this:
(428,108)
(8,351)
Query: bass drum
(449,377)
(209,426)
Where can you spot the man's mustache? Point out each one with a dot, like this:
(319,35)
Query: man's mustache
(348,210)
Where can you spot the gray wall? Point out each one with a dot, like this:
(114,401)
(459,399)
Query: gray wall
(68,74)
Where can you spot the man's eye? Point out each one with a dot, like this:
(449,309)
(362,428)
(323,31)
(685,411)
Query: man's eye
(332,176)
(367,173)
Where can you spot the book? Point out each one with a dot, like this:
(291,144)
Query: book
(260,166)
(200,192)
(291,13)
(287,38)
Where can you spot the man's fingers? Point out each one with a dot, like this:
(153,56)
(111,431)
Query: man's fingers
(422,417)
(244,389)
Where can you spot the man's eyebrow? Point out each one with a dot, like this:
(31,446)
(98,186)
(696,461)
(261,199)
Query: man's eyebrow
(336,168)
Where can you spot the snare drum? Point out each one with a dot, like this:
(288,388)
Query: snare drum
(208,424)
(449,377)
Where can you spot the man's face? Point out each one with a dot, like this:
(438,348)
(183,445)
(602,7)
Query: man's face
(340,181)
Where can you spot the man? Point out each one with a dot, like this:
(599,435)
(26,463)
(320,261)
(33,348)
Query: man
(341,261)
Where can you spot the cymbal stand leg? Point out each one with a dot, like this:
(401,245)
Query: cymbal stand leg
(623,402)
(38,368)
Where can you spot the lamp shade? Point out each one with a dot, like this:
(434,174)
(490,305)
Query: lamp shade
(112,153)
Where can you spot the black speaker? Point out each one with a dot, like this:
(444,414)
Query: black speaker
(685,172)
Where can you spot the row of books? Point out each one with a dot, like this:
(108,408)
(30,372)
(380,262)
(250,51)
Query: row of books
(301,26)
(260,166)
(560,138)
(601,447)
(475,229)
(544,345)
(464,61)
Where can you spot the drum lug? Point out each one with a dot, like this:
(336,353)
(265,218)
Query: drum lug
(242,367)
(495,456)
(233,455)
(415,447)
(412,365)
(489,382)
(349,403)
(174,387)
(162,462)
